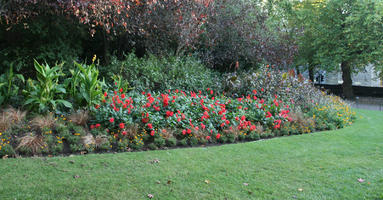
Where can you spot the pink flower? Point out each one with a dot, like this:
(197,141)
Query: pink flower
(183,132)
(152,133)
(98,125)
(208,137)
(124,133)
(111,120)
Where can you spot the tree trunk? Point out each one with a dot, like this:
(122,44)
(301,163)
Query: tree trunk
(348,92)
(311,73)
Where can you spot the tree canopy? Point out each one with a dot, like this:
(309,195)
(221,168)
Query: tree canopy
(348,33)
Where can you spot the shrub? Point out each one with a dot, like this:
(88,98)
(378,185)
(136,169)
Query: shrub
(159,142)
(159,74)
(171,142)
(193,141)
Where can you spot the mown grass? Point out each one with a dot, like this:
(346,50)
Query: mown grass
(323,165)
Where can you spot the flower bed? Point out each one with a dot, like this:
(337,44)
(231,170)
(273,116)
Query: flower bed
(144,120)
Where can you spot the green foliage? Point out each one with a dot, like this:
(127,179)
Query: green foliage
(9,88)
(159,74)
(46,38)
(84,85)
(171,142)
(159,142)
(46,94)
(193,141)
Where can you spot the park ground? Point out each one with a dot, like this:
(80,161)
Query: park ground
(341,164)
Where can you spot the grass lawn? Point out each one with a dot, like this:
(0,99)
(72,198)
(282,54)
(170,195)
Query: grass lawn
(323,165)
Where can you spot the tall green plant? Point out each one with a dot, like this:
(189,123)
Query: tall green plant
(8,88)
(84,85)
(46,94)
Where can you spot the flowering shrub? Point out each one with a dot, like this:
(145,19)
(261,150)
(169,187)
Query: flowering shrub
(194,117)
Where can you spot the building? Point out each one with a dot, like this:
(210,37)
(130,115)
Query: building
(367,77)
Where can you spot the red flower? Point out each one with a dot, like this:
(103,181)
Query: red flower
(145,120)
(98,125)
(208,137)
(124,133)
(92,126)
(218,136)
(252,127)
(203,126)
(152,133)
(268,114)
(254,92)
(183,132)
(243,118)
(188,131)
(122,125)
(97,106)
(262,89)
(105,94)
(123,96)
(111,120)
(150,126)
(237,118)
(223,124)
(169,113)
(121,90)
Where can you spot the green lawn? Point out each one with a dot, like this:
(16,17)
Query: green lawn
(323,165)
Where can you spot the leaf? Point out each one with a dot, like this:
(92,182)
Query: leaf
(65,103)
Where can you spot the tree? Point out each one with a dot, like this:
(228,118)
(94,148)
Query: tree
(348,33)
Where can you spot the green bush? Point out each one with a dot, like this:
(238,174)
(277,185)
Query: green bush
(152,73)
(171,142)
(159,142)
(193,141)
